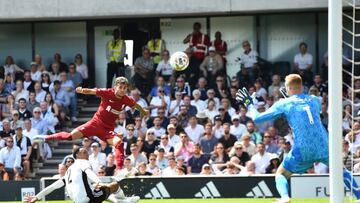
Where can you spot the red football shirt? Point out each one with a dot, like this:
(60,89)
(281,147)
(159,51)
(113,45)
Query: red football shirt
(111,106)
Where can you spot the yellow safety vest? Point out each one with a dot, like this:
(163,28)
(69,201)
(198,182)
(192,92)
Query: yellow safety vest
(155,48)
(115,49)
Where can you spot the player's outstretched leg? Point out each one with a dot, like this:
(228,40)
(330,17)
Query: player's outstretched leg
(75,134)
(117,194)
(282,184)
(351,183)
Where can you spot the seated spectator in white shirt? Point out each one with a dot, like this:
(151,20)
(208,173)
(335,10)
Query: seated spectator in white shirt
(218,128)
(160,101)
(248,146)
(170,170)
(20,92)
(197,102)
(135,94)
(28,130)
(161,160)
(25,146)
(225,102)
(35,73)
(38,123)
(165,144)
(11,157)
(194,130)
(40,93)
(136,157)
(238,129)
(261,159)
(211,95)
(128,169)
(175,104)
(249,169)
(48,116)
(152,166)
(97,158)
(157,128)
(59,95)
(303,62)
(211,110)
(174,139)
(274,88)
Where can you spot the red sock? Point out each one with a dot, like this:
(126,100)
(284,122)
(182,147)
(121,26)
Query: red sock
(59,136)
(119,155)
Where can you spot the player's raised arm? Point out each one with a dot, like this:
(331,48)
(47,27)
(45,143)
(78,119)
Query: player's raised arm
(143,112)
(244,97)
(88,91)
(49,189)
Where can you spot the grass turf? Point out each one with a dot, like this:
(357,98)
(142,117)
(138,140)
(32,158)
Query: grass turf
(269,200)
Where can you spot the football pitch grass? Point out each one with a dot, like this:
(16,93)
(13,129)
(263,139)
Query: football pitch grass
(220,200)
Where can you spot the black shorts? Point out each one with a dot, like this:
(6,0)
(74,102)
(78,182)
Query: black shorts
(100,195)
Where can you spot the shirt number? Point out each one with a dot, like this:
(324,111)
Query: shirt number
(108,108)
(308,112)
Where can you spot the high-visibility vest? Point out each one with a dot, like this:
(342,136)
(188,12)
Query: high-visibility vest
(115,49)
(155,49)
(201,47)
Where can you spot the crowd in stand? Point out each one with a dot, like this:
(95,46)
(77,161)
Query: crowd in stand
(195,126)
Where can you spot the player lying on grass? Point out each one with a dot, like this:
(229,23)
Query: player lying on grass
(113,101)
(83,185)
(311,145)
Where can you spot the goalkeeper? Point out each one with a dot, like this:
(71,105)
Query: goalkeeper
(310,137)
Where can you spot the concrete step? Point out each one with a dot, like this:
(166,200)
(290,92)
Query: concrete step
(38,165)
(46,172)
(89,108)
(60,151)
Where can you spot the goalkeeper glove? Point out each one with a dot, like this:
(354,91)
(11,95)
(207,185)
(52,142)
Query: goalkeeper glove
(244,97)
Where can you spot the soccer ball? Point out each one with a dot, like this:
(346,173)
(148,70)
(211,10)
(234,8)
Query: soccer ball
(179,61)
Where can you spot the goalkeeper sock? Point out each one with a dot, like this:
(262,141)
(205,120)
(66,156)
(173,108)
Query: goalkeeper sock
(59,136)
(351,183)
(282,186)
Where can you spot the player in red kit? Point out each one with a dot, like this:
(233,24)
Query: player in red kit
(113,101)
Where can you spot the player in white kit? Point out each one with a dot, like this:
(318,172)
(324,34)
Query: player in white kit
(83,185)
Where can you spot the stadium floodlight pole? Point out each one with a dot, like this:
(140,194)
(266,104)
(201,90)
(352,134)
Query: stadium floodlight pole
(335,101)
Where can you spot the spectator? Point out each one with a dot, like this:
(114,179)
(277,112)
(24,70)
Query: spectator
(185,147)
(212,66)
(248,146)
(211,111)
(3,92)
(194,130)
(180,163)
(110,165)
(141,170)
(115,55)
(55,72)
(144,72)
(274,164)
(211,96)
(101,171)
(183,116)
(86,143)
(233,102)
(38,61)
(244,119)
(197,161)
(197,41)
(40,93)
(11,67)
(32,103)
(208,141)
(249,68)
(175,104)
(180,171)
(136,157)
(37,122)
(249,169)
(61,171)
(97,158)
(237,129)
(322,87)
(227,139)
(303,62)
(161,161)
(275,86)
(69,87)
(219,158)
(24,113)
(150,143)
(81,67)
(164,68)
(11,157)
(74,76)
(45,81)
(15,120)
(20,92)
(62,66)
(161,101)
(206,170)
(164,143)
(255,136)
(170,169)
(7,131)
(4,176)
(174,120)
(34,71)
(140,127)
(174,139)
(128,169)
(152,165)
(157,128)
(129,139)
(28,81)
(261,159)
(105,148)
(224,115)
(52,106)
(202,87)
(225,102)
(220,46)
(24,144)
(269,146)
(261,93)
(182,87)
(121,123)
(48,116)
(197,102)
(59,95)
(221,89)
(160,83)
(28,130)
(9,83)
(218,128)
(239,152)
(274,135)
(135,94)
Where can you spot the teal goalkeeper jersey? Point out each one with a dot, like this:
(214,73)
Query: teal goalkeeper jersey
(302,111)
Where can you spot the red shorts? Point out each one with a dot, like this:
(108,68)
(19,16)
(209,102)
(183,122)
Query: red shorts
(94,128)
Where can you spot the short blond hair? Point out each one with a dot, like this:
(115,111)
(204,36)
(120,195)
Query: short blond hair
(121,80)
(293,80)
